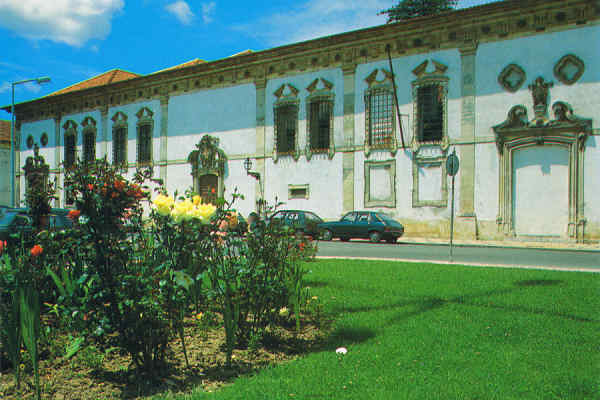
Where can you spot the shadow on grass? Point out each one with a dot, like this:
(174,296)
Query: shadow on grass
(539,282)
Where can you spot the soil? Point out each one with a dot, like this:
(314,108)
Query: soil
(102,373)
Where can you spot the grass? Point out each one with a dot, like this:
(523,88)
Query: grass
(422,331)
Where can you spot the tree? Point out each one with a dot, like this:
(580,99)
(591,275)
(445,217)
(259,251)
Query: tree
(408,9)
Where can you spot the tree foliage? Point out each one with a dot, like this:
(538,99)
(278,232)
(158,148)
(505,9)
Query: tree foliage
(408,9)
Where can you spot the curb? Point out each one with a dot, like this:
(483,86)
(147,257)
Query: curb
(528,246)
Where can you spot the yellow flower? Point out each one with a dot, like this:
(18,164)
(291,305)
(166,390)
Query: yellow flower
(163,204)
(284,312)
(197,200)
(183,210)
(199,316)
(205,212)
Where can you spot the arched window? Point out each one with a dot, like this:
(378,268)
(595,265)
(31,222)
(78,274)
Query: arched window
(89,139)
(119,141)
(70,143)
(145,127)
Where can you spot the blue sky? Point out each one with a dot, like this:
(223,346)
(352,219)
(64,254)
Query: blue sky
(73,40)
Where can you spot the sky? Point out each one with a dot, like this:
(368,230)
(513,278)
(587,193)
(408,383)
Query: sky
(73,40)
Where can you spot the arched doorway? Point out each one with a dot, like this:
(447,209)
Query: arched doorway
(208,169)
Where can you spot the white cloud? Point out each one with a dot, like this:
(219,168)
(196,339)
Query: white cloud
(316,18)
(181,10)
(4,87)
(208,10)
(73,22)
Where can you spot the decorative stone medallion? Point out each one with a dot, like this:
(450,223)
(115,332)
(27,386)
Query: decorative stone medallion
(569,69)
(512,77)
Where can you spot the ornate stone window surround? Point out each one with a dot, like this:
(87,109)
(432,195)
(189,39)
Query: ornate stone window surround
(320,95)
(70,154)
(375,87)
(436,161)
(119,122)
(208,159)
(512,78)
(516,133)
(298,191)
(424,78)
(89,134)
(287,95)
(391,200)
(145,119)
(562,74)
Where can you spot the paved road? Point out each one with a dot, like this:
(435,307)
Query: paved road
(478,255)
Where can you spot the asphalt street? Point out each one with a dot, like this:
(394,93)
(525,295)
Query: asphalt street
(476,255)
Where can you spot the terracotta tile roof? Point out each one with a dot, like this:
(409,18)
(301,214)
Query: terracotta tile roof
(195,61)
(115,75)
(4,131)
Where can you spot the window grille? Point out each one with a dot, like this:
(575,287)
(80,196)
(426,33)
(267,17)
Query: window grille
(119,146)
(320,124)
(286,121)
(380,117)
(69,150)
(430,100)
(89,146)
(144,144)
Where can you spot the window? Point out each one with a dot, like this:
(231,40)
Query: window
(298,191)
(380,117)
(120,146)
(145,126)
(321,111)
(89,146)
(144,144)
(286,122)
(69,150)
(349,217)
(430,104)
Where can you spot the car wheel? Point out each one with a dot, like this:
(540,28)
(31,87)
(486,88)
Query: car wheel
(391,240)
(375,237)
(327,234)
(344,238)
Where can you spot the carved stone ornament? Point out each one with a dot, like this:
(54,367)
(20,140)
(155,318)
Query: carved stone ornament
(36,173)
(208,158)
(512,77)
(540,91)
(421,70)
(569,69)
(286,90)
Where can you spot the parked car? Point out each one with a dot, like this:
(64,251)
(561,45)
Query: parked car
(363,224)
(13,221)
(303,222)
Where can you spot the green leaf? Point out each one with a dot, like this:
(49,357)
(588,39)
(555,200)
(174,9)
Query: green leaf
(73,347)
(182,279)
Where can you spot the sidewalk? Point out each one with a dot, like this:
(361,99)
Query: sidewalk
(549,245)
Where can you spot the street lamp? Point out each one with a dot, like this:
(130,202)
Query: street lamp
(39,81)
(255,175)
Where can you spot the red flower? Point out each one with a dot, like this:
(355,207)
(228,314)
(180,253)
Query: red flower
(301,246)
(119,184)
(212,190)
(114,195)
(2,246)
(36,250)
(74,214)
(90,186)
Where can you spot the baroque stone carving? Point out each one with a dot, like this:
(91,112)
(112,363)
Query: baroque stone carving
(540,91)
(208,158)
(512,77)
(569,69)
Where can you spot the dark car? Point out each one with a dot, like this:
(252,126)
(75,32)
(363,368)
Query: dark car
(363,224)
(13,221)
(303,222)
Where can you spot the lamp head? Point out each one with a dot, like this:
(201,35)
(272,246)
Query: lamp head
(248,164)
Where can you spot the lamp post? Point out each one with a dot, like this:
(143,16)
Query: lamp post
(255,175)
(39,81)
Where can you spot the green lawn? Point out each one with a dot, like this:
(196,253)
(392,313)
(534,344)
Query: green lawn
(423,331)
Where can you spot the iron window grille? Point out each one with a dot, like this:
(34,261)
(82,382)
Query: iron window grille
(430,104)
(69,150)
(320,124)
(89,146)
(286,125)
(144,144)
(119,146)
(380,117)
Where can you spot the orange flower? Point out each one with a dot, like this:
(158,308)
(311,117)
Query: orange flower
(301,246)
(36,250)
(212,190)
(119,184)
(90,186)
(114,195)
(74,214)
(2,246)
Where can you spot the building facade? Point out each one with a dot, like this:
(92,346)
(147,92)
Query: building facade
(5,163)
(366,120)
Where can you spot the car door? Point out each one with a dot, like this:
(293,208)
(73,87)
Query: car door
(361,225)
(345,225)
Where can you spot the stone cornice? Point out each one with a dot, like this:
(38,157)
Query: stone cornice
(460,29)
